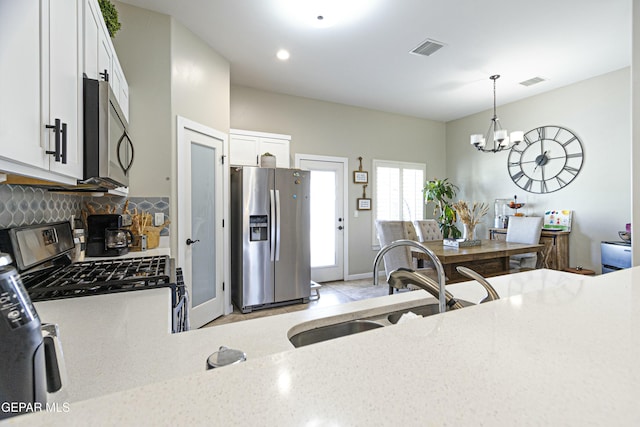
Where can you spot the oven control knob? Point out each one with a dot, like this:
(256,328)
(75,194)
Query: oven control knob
(191,242)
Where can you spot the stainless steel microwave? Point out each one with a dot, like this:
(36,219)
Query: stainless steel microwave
(108,150)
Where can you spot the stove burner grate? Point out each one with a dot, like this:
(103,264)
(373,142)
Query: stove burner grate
(99,277)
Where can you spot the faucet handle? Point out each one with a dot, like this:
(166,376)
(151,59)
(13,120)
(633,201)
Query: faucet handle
(491,292)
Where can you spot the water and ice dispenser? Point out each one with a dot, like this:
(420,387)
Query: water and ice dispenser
(258,226)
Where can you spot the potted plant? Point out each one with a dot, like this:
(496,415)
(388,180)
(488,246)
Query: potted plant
(441,192)
(110,15)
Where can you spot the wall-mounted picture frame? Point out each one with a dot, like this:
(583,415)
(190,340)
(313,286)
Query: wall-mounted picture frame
(364,204)
(361,177)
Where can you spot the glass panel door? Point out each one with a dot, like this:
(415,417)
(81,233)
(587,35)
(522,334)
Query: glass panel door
(203,221)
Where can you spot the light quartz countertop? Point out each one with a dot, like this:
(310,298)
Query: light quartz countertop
(556,349)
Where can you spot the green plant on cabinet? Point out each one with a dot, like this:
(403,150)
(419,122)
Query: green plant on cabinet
(110,15)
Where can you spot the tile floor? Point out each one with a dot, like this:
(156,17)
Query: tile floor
(331,293)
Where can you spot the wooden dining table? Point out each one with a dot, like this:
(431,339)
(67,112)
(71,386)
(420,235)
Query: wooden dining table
(490,258)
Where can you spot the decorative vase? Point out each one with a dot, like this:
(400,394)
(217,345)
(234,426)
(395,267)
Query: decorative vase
(469,232)
(267,161)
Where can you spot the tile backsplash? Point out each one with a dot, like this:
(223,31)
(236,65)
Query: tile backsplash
(24,205)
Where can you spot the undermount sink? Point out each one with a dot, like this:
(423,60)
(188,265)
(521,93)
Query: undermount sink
(329,332)
(422,310)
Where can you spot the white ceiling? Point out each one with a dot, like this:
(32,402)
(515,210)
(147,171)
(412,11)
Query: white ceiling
(366,62)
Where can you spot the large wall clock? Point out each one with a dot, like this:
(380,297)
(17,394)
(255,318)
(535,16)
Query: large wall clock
(548,159)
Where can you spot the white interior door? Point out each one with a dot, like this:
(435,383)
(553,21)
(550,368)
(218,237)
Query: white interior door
(200,216)
(328,222)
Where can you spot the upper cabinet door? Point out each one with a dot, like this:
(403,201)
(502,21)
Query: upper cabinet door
(246,147)
(100,59)
(20,135)
(277,147)
(91,40)
(243,150)
(98,51)
(65,85)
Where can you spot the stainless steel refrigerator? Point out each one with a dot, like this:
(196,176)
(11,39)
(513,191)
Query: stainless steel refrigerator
(270,252)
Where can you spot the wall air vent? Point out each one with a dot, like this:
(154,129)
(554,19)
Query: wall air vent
(427,48)
(533,81)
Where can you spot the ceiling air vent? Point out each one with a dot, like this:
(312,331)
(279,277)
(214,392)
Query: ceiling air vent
(427,48)
(533,81)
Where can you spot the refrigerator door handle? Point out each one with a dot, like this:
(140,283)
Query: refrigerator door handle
(278,225)
(273,225)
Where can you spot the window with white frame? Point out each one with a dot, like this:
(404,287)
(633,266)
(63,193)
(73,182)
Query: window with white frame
(397,192)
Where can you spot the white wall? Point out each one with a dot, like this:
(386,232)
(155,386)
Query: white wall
(598,110)
(170,72)
(143,48)
(325,128)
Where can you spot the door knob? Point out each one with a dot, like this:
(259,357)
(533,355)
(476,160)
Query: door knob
(340,228)
(191,242)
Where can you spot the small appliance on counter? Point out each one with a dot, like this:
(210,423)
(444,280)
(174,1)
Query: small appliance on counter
(106,235)
(30,354)
(615,256)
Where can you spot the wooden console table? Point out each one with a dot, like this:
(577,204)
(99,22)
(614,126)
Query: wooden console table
(556,246)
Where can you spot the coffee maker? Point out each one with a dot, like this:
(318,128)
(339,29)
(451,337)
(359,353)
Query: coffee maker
(106,235)
(30,354)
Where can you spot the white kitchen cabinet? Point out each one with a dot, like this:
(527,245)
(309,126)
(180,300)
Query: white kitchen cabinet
(100,59)
(245,147)
(40,80)
(120,88)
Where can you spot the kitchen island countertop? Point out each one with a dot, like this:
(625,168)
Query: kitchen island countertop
(560,355)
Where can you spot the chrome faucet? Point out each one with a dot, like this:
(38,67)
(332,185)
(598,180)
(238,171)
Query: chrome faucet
(430,254)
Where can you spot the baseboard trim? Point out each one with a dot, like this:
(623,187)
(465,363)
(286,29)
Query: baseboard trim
(361,276)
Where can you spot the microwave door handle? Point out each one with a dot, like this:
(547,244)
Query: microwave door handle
(273,225)
(132,151)
(128,166)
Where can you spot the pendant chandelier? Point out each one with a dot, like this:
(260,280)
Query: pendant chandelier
(498,137)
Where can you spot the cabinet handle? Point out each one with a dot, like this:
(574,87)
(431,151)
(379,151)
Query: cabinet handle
(257,159)
(105,75)
(63,151)
(57,130)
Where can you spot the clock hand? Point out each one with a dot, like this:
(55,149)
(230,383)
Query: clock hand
(541,160)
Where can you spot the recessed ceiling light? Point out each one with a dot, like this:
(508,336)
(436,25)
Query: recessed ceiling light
(283,55)
(324,13)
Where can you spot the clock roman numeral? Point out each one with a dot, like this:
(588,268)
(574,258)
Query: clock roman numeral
(561,183)
(541,133)
(564,144)
(528,184)
(512,164)
(517,176)
(573,171)
(543,186)
(527,140)
(573,155)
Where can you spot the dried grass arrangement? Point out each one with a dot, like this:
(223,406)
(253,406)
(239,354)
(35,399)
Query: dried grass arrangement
(470,216)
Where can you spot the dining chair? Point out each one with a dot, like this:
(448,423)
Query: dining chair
(389,231)
(427,229)
(524,229)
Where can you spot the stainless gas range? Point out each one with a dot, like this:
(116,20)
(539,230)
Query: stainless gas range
(40,253)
